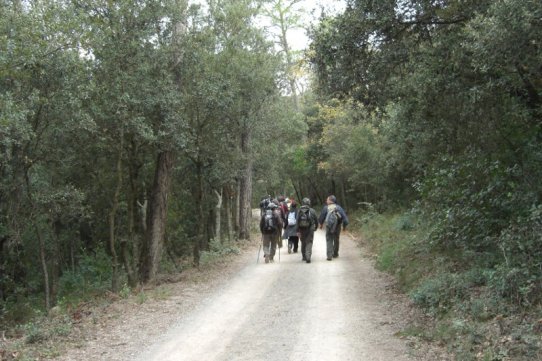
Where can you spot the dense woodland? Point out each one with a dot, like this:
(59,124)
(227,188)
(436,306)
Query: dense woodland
(137,133)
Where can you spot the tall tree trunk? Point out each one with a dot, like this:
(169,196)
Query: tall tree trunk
(137,222)
(151,252)
(200,243)
(112,219)
(245,191)
(218,218)
(290,72)
(128,261)
(237,208)
(228,208)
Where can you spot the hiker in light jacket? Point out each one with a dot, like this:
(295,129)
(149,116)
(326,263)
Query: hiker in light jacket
(334,217)
(290,229)
(306,224)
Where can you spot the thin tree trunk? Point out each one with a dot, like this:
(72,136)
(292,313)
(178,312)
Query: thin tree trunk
(55,263)
(218,218)
(316,192)
(344,203)
(72,253)
(295,189)
(128,261)
(125,254)
(112,219)
(43,261)
(200,243)
(290,74)
(151,252)
(237,208)
(137,222)
(228,208)
(245,191)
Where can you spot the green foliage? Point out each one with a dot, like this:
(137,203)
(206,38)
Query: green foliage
(439,293)
(92,277)
(217,250)
(475,306)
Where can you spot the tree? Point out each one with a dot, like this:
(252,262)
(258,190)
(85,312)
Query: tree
(285,16)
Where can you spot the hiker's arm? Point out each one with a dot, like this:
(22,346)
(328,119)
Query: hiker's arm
(322,217)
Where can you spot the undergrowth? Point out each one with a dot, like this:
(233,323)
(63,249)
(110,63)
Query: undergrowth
(29,332)
(478,309)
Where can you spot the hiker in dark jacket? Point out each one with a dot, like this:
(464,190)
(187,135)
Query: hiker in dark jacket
(270,226)
(290,228)
(334,217)
(306,224)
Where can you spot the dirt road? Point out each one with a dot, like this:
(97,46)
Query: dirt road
(291,310)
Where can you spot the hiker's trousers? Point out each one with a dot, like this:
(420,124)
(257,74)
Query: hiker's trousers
(306,239)
(269,244)
(332,242)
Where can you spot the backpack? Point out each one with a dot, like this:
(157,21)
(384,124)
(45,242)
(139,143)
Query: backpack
(269,224)
(291,218)
(333,219)
(265,203)
(304,218)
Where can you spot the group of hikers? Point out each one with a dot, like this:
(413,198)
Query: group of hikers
(281,219)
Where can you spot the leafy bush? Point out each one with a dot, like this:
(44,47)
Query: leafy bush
(439,293)
(217,250)
(93,274)
(34,333)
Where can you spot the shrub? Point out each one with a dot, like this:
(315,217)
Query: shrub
(93,274)
(437,293)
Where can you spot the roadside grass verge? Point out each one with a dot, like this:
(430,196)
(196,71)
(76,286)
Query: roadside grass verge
(462,296)
(28,332)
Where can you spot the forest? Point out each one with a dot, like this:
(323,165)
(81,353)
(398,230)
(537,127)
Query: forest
(134,134)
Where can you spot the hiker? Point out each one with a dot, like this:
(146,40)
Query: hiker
(283,208)
(264,203)
(333,216)
(270,226)
(307,223)
(278,211)
(290,228)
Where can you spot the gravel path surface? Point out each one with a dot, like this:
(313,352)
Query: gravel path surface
(325,310)
(236,309)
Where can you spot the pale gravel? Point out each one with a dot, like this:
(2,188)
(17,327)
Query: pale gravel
(240,310)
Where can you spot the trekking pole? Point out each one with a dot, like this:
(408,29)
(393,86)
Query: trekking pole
(259,249)
(279,249)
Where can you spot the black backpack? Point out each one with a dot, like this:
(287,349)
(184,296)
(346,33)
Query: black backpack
(304,218)
(269,224)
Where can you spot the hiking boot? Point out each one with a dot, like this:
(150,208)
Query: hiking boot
(329,258)
(266,259)
(308,260)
